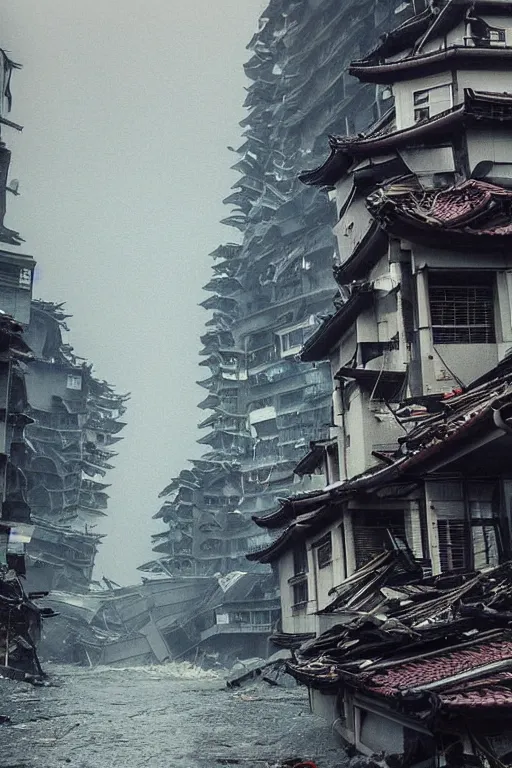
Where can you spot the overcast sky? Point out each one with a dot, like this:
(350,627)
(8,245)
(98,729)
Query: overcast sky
(128,108)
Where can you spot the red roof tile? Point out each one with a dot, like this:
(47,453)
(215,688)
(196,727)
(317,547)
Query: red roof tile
(437,668)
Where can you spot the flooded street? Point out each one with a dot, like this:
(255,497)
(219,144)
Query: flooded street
(167,716)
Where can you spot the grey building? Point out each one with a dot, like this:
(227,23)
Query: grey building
(419,347)
(264,405)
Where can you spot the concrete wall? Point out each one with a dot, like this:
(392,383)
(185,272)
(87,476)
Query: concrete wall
(404,97)
(493,145)
(16,302)
(466,361)
(43,381)
(320,581)
(352,227)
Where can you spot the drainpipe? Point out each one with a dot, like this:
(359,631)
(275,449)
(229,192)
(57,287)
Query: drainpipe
(499,421)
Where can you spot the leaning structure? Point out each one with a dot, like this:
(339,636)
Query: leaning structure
(264,405)
(70,444)
(395,577)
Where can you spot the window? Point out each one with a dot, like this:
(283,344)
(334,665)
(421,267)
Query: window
(300,559)
(453,544)
(74,382)
(497,36)
(324,551)
(462,309)
(15,277)
(300,593)
(292,339)
(431,101)
(25,279)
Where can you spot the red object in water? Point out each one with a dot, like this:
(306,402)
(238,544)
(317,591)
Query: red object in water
(307,764)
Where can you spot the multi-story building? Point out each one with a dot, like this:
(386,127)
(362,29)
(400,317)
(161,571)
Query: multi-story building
(19,617)
(58,424)
(75,423)
(421,368)
(267,291)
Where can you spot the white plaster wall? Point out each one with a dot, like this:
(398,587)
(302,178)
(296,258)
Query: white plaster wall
(367,426)
(498,81)
(333,574)
(343,192)
(437,258)
(493,145)
(295,620)
(352,227)
(404,100)
(456,35)
(366,326)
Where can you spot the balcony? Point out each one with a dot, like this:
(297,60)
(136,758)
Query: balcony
(238,629)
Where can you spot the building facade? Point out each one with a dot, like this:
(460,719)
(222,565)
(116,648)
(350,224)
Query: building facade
(20,618)
(267,291)
(76,421)
(419,348)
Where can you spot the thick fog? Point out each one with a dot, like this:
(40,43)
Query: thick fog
(128,108)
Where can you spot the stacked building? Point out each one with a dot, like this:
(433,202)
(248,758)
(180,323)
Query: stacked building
(58,426)
(264,406)
(69,447)
(20,618)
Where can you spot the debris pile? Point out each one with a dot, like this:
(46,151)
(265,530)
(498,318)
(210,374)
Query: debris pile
(20,627)
(432,648)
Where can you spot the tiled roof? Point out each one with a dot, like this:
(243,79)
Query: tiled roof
(432,646)
(477,106)
(438,668)
(473,208)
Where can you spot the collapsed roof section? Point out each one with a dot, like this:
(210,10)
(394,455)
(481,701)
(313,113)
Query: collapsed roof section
(447,432)
(473,213)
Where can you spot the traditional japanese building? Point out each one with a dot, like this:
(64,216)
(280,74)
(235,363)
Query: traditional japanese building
(264,405)
(419,347)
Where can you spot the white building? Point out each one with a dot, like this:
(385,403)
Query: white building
(420,341)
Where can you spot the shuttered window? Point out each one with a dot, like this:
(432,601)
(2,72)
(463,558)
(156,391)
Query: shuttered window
(466,540)
(462,309)
(371,536)
(453,544)
(300,593)
(324,551)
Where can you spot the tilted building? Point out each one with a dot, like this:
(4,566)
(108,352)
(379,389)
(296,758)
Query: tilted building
(264,405)
(400,564)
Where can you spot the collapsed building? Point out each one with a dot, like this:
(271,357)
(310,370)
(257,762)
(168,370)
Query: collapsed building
(268,290)
(20,616)
(395,576)
(76,421)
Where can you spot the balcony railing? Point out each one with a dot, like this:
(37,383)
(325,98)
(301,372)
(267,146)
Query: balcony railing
(236,628)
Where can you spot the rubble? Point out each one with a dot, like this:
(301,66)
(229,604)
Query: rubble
(435,650)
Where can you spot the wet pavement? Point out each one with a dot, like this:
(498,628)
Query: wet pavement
(172,716)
